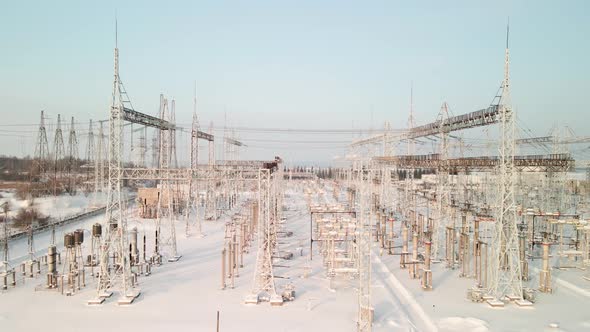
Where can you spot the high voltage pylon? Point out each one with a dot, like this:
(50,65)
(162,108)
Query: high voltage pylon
(442,185)
(411,121)
(155,149)
(505,272)
(387,144)
(116,276)
(211,196)
(156,144)
(226,154)
(142,147)
(41,149)
(167,197)
(131,144)
(408,198)
(58,155)
(73,157)
(90,155)
(211,146)
(172,132)
(269,187)
(90,151)
(73,152)
(365,224)
(99,160)
(192,196)
(138,151)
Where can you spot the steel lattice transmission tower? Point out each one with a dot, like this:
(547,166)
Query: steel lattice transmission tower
(161,160)
(99,161)
(90,155)
(442,185)
(58,145)
(211,198)
(90,151)
(505,274)
(364,219)
(155,149)
(166,198)
(211,147)
(58,155)
(172,132)
(142,147)
(41,149)
(192,197)
(156,143)
(73,156)
(264,284)
(5,267)
(409,179)
(73,152)
(411,121)
(117,276)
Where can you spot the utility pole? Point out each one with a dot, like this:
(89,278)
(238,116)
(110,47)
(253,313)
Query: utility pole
(5,253)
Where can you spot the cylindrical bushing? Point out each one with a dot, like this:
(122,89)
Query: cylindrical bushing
(96,230)
(78,236)
(69,240)
(52,260)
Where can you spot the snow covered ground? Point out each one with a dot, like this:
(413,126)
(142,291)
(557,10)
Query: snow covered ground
(186,295)
(54,206)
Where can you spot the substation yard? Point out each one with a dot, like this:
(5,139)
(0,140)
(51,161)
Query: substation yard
(187,295)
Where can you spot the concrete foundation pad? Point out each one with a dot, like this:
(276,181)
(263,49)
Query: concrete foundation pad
(513,298)
(125,300)
(276,301)
(105,295)
(251,299)
(96,301)
(129,298)
(495,303)
(523,303)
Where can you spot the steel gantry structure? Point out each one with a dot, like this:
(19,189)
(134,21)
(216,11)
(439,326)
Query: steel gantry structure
(499,206)
(270,177)
(117,277)
(192,201)
(505,269)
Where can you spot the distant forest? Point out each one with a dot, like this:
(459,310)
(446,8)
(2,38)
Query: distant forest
(15,169)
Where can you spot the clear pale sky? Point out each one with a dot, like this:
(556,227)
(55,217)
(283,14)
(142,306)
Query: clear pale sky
(291,64)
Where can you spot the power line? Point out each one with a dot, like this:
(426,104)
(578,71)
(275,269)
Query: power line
(294,141)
